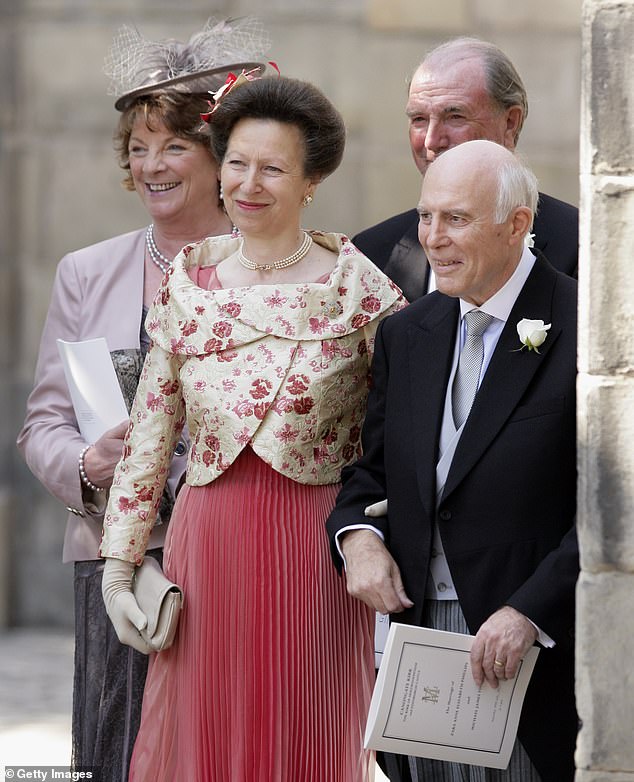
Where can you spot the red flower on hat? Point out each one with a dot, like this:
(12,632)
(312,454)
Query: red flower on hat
(231,82)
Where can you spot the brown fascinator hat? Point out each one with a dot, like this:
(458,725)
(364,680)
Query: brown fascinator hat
(137,66)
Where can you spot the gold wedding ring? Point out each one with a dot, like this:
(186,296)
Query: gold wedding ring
(499,663)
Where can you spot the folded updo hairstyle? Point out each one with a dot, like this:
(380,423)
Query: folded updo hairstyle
(178,111)
(290,101)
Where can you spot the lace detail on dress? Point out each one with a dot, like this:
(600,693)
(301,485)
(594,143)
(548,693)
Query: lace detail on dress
(128,363)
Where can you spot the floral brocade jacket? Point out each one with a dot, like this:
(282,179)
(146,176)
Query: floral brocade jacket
(282,368)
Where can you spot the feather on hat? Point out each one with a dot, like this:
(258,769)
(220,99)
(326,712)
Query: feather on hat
(137,66)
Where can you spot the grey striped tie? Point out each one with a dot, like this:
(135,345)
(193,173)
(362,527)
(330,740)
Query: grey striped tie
(465,383)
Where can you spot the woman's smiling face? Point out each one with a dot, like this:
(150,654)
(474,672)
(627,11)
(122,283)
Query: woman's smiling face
(171,174)
(263,177)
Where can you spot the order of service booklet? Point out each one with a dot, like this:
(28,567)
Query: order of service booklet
(93,386)
(426,703)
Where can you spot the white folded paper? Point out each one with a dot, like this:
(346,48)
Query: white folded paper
(426,702)
(93,386)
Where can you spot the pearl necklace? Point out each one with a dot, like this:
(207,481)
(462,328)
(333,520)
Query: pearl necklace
(157,257)
(283,263)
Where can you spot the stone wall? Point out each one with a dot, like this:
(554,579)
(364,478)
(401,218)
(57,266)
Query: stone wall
(60,184)
(605,674)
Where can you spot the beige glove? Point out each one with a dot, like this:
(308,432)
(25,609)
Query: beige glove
(376,509)
(121,606)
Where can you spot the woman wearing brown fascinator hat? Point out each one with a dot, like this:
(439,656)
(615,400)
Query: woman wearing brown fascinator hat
(262,342)
(104,290)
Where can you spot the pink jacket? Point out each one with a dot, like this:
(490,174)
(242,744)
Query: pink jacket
(98,292)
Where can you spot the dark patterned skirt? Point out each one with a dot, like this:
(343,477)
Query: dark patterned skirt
(108,682)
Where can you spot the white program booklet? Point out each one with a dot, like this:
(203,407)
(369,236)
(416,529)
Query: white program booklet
(93,385)
(426,702)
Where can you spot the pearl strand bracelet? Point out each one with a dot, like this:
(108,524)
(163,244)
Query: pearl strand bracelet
(82,471)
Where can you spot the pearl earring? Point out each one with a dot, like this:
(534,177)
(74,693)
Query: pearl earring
(221,194)
(307,199)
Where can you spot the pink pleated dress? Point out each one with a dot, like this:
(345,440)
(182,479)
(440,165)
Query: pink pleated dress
(270,676)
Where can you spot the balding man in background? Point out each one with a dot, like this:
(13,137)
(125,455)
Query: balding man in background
(464,89)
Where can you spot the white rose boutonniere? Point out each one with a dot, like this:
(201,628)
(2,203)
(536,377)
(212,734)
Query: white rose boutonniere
(532,333)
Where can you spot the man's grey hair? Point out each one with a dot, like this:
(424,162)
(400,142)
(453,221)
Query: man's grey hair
(504,85)
(517,186)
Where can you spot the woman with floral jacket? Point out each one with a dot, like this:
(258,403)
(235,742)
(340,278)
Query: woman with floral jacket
(104,291)
(262,344)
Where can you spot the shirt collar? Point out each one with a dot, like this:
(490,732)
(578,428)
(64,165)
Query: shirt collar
(501,303)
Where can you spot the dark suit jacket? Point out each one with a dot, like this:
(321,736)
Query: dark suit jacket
(507,513)
(394,247)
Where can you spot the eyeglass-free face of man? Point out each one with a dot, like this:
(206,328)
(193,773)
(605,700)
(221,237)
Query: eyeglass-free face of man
(449,104)
(471,253)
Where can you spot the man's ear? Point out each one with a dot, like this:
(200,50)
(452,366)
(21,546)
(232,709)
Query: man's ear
(514,116)
(521,219)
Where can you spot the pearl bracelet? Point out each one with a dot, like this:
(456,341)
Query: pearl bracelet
(82,471)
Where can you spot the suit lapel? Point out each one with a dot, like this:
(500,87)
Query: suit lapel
(430,355)
(509,374)
(407,264)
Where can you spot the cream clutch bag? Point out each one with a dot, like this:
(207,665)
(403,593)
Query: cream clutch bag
(160,600)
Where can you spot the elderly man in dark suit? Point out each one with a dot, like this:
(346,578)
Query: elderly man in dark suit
(465,89)
(470,434)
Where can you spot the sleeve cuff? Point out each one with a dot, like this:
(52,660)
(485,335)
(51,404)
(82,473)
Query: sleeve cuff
(543,638)
(343,530)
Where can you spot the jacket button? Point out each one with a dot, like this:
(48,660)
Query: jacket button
(444,515)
